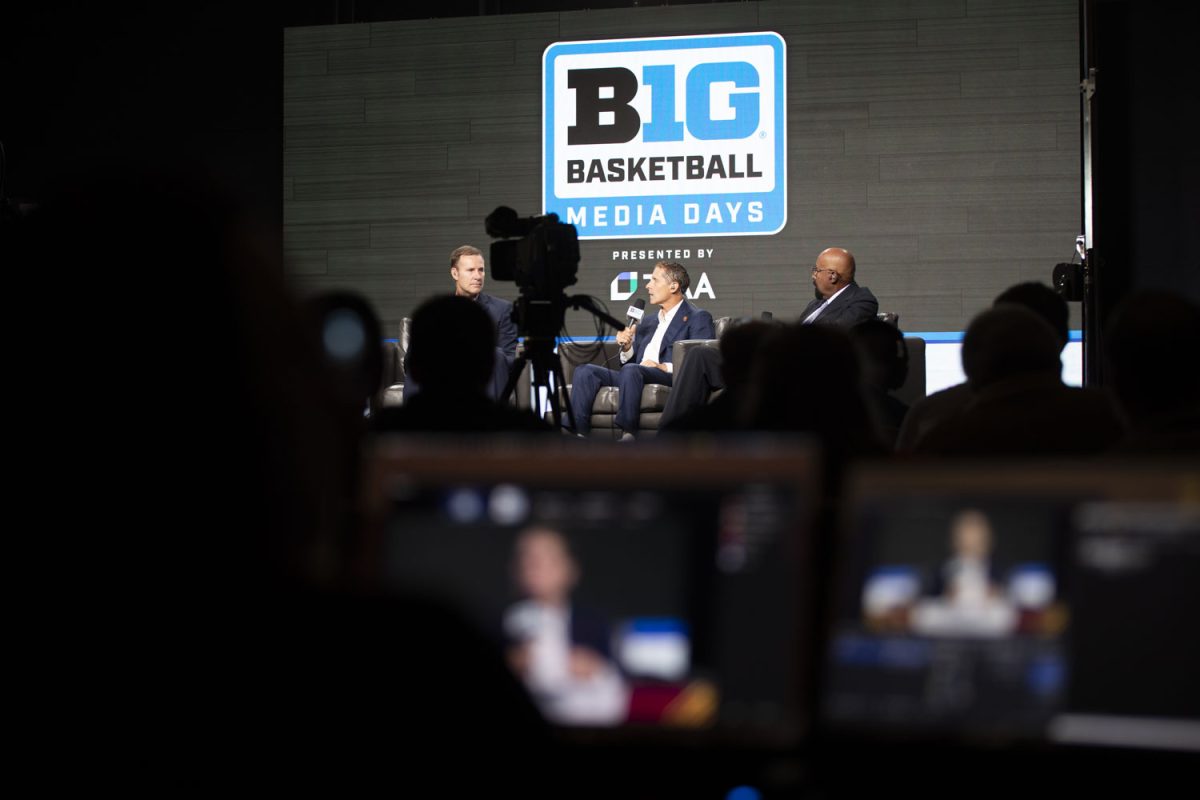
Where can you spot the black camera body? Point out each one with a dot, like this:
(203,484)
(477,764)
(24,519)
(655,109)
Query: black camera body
(543,262)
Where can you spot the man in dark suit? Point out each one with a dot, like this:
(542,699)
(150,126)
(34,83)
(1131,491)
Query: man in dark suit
(839,301)
(467,270)
(645,350)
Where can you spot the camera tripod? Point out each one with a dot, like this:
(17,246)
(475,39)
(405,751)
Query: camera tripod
(539,321)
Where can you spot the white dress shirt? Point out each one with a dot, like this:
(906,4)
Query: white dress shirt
(824,305)
(664,320)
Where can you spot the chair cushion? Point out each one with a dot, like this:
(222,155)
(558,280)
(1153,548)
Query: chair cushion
(393,395)
(606,400)
(654,398)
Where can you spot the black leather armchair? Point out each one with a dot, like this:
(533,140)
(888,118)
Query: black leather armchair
(654,396)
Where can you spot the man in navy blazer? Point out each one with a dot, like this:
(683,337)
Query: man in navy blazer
(645,350)
(467,270)
(839,301)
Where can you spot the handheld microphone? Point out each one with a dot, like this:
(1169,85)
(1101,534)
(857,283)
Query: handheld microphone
(635,312)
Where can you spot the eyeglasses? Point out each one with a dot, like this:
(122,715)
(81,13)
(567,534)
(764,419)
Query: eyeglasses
(833,273)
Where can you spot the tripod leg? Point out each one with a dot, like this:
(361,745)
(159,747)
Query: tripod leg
(514,375)
(560,384)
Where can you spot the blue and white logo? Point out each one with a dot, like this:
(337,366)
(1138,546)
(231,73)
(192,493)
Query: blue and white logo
(680,136)
(623,286)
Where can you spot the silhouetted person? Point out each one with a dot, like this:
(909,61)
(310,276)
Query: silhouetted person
(884,357)
(1020,405)
(201,594)
(451,355)
(737,349)
(348,333)
(806,379)
(928,412)
(837,300)
(467,270)
(1152,346)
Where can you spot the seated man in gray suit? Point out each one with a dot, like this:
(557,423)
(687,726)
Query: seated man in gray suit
(645,351)
(839,301)
(467,270)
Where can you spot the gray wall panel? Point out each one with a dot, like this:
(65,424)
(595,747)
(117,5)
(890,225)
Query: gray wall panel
(971,111)
(956,166)
(952,139)
(816,12)
(909,60)
(323,110)
(323,38)
(620,23)
(389,133)
(1021,8)
(992,84)
(880,87)
(300,64)
(1048,56)
(996,31)
(304,263)
(470,81)
(805,36)
(397,184)
(366,84)
(466,32)
(345,160)
(452,107)
(302,237)
(410,56)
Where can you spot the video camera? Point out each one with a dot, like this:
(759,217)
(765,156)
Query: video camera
(542,262)
(541,255)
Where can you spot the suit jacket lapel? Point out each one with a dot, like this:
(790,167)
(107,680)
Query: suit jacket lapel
(841,300)
(676,327)
(811,307)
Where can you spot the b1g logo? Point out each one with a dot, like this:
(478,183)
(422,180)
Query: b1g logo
(678,136)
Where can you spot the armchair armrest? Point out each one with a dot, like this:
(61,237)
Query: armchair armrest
(680,349)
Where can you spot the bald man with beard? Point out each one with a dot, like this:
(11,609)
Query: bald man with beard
(839,301)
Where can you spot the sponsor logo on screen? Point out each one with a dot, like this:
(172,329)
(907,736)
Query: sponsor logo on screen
(679,136)
(625,286)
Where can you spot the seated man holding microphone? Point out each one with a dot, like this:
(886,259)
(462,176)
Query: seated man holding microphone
(645,351)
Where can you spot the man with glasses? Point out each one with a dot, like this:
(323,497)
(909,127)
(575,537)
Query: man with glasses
(839,301)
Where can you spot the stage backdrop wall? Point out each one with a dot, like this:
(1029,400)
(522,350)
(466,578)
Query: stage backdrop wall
(936,139)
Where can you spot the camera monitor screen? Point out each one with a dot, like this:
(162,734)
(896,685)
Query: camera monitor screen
(1027,602)
(660,589)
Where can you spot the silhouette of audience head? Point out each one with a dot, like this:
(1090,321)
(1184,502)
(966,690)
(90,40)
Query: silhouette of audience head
(1008,340)
(451,345)
(738,346)
(883,352)
(211,380)
(806,378)
(348,334)
(1153,342)
(1043,301)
